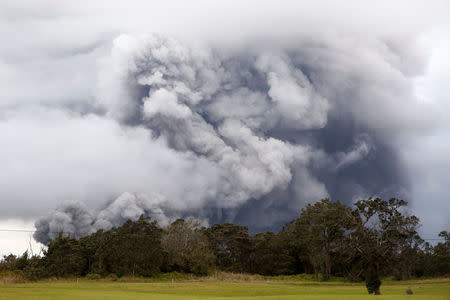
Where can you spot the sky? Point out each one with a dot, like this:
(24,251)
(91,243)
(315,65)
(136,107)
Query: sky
(225,111)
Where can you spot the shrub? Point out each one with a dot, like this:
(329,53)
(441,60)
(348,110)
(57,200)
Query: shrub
(93,276)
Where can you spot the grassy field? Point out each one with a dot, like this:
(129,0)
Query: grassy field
(436,289)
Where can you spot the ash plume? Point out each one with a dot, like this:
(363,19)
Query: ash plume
(75,220)
(261,130)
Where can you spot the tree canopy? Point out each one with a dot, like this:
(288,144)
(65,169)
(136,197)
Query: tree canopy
(367,241)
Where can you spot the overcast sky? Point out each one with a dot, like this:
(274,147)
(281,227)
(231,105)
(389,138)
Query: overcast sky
(67,134)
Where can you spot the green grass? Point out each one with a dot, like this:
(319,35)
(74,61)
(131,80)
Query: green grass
(435,289)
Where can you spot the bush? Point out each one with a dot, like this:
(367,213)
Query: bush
(12,277)
(373,286)
(35,269)
(93,276)
(111,277)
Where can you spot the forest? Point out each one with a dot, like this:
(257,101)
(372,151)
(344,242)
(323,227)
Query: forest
(370,240)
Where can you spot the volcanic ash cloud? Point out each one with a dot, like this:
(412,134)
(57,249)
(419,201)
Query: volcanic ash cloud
(260,130)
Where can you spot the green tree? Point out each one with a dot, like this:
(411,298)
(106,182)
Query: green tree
(35,268)
(408,259)
(10,262)
(231,245)
(64,257)
(187,247)
(95,249)
(131,249)
(320,231)
(380,229)
(440,256)
(271,254)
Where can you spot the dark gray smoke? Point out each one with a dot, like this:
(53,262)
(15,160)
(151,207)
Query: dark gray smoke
(74,219)
(263,129)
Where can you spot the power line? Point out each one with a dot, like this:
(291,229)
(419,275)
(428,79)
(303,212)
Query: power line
(18,230)
(76,233)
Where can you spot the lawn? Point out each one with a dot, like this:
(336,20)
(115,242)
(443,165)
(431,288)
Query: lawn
(426,289)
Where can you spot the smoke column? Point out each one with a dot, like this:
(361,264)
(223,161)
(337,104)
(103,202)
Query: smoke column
(259,130)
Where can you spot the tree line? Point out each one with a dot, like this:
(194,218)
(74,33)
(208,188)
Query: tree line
(369,240)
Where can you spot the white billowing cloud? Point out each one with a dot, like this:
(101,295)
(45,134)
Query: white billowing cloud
(128,206)
(183,82)
(299,105)
(233,160)
(264,163)
(164,87)
(230,107)
(166,103)
(85,158)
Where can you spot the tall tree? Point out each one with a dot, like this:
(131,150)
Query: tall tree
(187,247)
(132,249)
(440,255)
(64,257)
(379,231)
(231,245)
(271,254)
(320,231)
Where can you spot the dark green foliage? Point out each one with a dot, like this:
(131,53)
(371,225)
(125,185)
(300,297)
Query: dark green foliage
(373,281)
(380,231)
(11,262)
(438,257)
(187,248)
(319,232)
(35,268)
(132,249)
(372,239)
(93,276)
(271,255)
(29,267)
(64,257)
(231,245)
